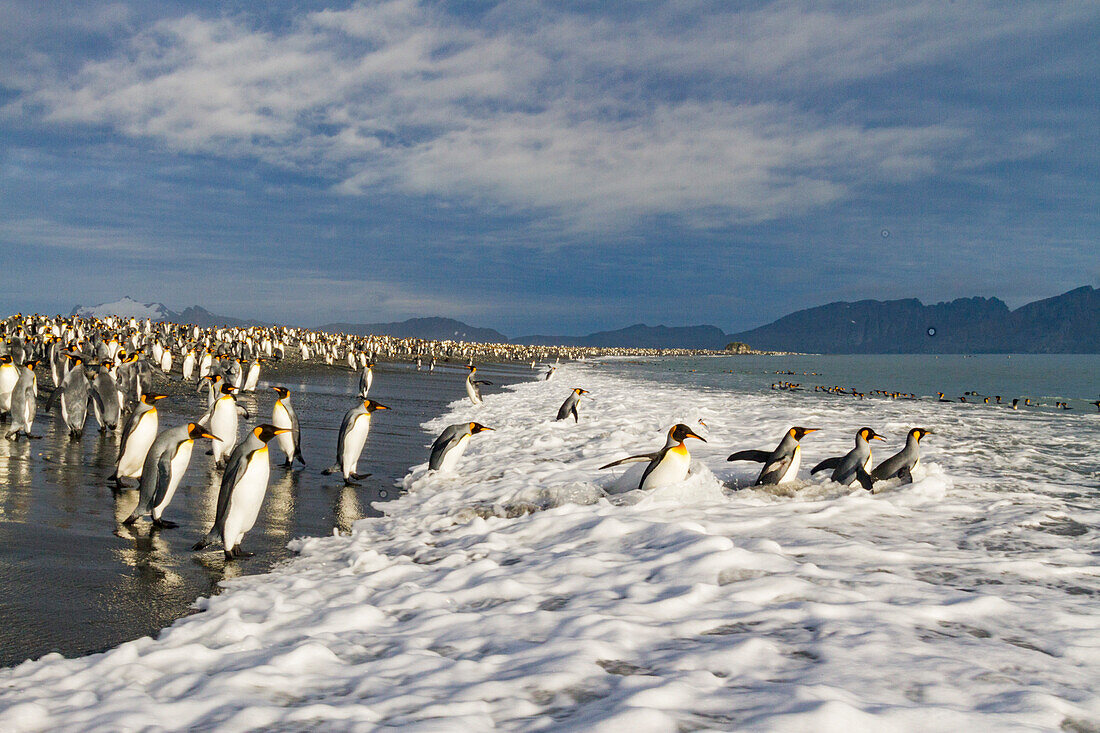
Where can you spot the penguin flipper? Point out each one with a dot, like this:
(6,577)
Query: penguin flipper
(865,479)
(828,463)
(54,397)
(630,459)
(757,456)
(164,471)
(483,381)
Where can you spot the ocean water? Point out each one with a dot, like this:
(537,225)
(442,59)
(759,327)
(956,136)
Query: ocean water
(530,590)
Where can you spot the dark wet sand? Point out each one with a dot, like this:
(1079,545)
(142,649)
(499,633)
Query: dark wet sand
(74,580)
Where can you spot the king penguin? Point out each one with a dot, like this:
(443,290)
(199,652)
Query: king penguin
(569,407)
(138,435)
(24,398)
(9,375)
(904,462)
(852,466)
(782,464)
(667,466)
(244,485)
(221,420)
(72,393)
(366,379)
(105,402)
(283,416)
(472,386)
(451,444)
(353,436)
(165,464)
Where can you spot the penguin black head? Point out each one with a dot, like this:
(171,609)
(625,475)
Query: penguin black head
(229,389)
(370,365)
(919,433)
(32,364)
(151,397)
(196,431)
(800,433)
(869,434)
(371,406)
(283,392)
(471,367)
(476,427)
(579,391)
(267,431)
(680,432)
(5,359)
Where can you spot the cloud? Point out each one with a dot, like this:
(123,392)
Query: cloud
(588,120)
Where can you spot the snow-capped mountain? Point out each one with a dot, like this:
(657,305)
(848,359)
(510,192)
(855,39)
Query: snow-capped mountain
(127,307)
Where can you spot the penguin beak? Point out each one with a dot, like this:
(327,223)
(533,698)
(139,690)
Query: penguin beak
(206,435)
(876,436)
(698,437)
(278,431)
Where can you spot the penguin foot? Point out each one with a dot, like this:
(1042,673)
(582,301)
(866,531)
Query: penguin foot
(164,524)
(360,476)
(349,482)
(229,556)
(238,552)
(287,464)
(130,519)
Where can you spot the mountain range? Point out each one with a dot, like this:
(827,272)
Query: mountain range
(1066,323)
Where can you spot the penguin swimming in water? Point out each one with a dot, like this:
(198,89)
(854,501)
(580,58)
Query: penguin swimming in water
(852,467)
(780,465)
(138,435)
(451,444)
(283,416)
(472,386)
(243,487)
(353,436)
(904,462)
(667,466)
(73,393)
(569,407)
(165,464)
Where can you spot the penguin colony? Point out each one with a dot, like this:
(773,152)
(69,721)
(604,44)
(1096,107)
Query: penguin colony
(111,364)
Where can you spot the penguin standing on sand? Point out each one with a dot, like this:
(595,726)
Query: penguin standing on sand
(472,385)
(105,399)
(780,465)
(138,435)
(451,444)
(353,436)
(904,462)
(72,393)
(284,417)
(221,420)
(9,375)
(667,466)
(243,487)
(852,467)
(165,464)
(569,407)
(23,402)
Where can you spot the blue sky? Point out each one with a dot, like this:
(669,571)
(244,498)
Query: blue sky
(555,167)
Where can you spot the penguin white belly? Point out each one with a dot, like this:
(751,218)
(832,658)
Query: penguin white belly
(8,377)
(223,426)
(472,392)
(64,409)
(280,418)
(353,445)
(166,362)
(792,470)
(672,469)
(188,366)
(252,379)
(179,467)
(451,457)
(246,499)
(137,445)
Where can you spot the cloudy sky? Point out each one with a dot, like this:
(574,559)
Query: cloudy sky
(551,167)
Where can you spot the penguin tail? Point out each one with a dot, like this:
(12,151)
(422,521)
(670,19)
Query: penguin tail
(334,468)
(298,456)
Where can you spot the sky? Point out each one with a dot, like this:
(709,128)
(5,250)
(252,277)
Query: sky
(545,167)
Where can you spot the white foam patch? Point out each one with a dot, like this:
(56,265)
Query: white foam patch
(529,590)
